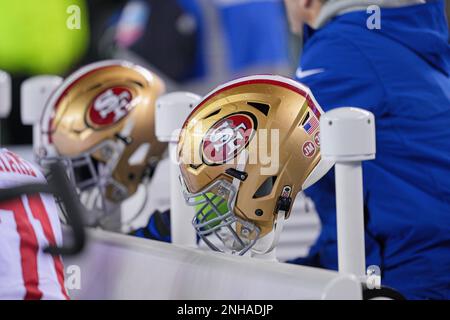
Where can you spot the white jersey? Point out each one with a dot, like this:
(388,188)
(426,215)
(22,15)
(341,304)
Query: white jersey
(28,225)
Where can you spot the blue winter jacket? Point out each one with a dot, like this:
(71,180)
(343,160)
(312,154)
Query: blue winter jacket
(400,73)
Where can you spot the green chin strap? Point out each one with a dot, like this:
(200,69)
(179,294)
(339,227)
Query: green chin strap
(202,209)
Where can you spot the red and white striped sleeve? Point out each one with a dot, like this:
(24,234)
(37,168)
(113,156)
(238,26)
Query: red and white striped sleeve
(28,225)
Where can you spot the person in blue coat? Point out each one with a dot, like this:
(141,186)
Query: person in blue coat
(393,60)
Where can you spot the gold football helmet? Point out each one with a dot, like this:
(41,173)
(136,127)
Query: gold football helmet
(245,152)
(100,123)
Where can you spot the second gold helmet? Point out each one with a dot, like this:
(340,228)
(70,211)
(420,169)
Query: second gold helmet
(100,122)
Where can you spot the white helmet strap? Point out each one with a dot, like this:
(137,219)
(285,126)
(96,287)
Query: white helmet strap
(241,163)
(267,243)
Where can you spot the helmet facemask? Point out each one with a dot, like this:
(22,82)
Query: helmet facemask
(214,215)
(99,192)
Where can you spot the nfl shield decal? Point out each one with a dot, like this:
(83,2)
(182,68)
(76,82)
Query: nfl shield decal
(317,138)
(227,138)
(109,107)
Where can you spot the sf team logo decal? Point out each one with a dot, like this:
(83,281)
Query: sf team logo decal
(109,107)
(227,138)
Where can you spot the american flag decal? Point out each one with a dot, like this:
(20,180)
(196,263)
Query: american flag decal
(311,125)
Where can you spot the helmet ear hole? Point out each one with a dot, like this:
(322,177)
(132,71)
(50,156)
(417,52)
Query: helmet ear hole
(263,107)
(265,188)
(138,83)
(195,166)
(305,119)
(212,114)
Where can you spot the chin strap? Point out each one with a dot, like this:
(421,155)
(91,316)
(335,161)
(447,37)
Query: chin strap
(241,163)
(278,228)
(268,243)
(271,240)
(128,223)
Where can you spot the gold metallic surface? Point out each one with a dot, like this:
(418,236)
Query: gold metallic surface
(73,133)
(288,110)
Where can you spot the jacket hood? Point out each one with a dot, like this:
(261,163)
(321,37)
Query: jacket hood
(421,27)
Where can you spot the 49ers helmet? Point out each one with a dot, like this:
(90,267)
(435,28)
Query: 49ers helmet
(245,152)
(100,123)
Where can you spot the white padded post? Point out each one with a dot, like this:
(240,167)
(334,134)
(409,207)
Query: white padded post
(171,111)
(34,93)
(5,94)
(347,137)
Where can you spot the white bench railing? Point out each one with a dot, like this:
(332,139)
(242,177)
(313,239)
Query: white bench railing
(116,266)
